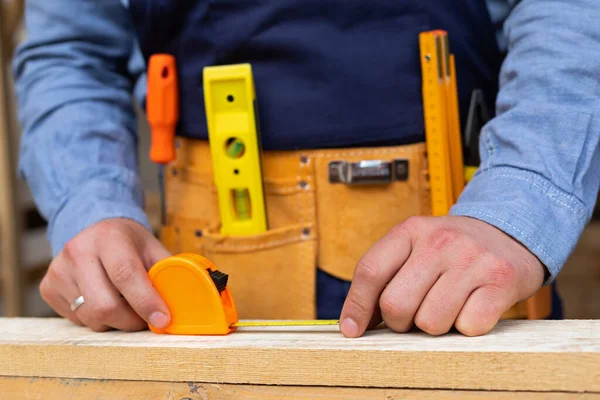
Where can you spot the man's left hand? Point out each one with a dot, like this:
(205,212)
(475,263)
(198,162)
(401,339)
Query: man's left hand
(439,272)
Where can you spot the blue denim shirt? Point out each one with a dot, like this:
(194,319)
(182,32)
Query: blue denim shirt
(540,171)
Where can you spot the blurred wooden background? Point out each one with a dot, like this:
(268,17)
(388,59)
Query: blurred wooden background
(579,281)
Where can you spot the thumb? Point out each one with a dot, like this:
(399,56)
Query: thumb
(154,251)
(125,266)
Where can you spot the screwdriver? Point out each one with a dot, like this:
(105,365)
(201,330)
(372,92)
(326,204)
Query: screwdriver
(162,110)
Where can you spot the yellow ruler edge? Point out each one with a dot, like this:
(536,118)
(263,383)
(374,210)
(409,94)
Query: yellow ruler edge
(436,122)
(456,153)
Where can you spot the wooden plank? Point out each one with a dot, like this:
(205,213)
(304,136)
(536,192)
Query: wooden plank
(85,389)
(9,227)
(516,355)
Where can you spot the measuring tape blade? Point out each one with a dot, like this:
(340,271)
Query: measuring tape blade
(314,322)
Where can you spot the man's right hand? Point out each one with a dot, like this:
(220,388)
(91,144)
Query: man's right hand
(107,264)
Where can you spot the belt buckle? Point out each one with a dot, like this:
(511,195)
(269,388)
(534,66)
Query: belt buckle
(368,172)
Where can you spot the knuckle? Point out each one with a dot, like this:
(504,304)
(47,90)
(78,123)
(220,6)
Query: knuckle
(124,273)
(392,309)
(72,249)
(357,306)
(468,328)
(55,275)
(408,226)
(490,305)
(428,325)
(488,309)
(144,303)
(469,253)
(413,222)
(105,311)
(104,228)
(45,289)
(481,317)
(442,237)
(108,232)
(366,271)
(459,269)
(75,320)
(135,326)
(502,272)
(97,327)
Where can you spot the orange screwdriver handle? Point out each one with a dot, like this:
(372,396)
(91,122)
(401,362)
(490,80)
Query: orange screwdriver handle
(162,107)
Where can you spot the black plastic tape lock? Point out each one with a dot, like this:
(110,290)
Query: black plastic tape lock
(219,279)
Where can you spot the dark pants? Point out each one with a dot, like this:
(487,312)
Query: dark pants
(331,293)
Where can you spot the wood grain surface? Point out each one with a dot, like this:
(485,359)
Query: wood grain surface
(516,355)
(87,389)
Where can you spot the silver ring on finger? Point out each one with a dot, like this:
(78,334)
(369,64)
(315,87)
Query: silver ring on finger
(75,304)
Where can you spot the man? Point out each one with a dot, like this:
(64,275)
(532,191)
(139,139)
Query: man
(349,65)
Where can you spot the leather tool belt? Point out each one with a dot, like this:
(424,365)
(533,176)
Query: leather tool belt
(321,213)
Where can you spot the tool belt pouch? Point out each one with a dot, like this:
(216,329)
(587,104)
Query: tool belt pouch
(273,274)
(361,195)
(324,208)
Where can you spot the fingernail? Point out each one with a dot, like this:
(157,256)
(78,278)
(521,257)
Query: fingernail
(349,328)
(159,320)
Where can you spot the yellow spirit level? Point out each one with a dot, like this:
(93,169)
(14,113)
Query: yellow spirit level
(231,115)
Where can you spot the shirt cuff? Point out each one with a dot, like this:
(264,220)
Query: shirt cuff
(528,207)
(94,202)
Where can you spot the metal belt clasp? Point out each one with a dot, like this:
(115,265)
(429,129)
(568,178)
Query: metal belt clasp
(368,171)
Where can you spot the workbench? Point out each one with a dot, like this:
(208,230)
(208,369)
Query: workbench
(54,359)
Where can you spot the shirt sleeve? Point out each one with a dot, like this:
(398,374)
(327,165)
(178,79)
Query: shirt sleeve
(540,156)
(74,75)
